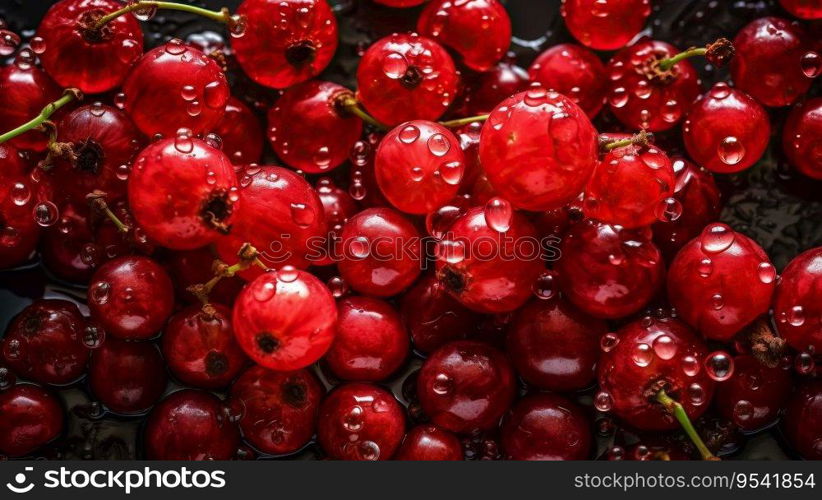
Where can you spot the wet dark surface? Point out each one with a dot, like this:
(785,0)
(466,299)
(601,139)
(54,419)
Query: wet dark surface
(770,203)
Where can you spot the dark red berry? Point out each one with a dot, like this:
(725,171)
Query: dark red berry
(797,304)
(30,417)
(127,377)
(191,267)
(800,140)
(19,232)
(605,25)
(573,71)
(805,9)
(24,91)
(546,427)
(68,248)
(803,420)
(429,442)
(240,133)
(753,397)
(483,91)
(338,206)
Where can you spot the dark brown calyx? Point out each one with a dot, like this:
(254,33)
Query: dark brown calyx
(453,280)
(412,78)
(766,347)
(300,53)
(89,29)
(720,52)
(267,342)
(216,364)
(216,210)
(88,156)
(295,393)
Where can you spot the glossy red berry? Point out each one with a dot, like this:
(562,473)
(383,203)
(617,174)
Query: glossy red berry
(800,139)
(805,9)
(19,232)
(175,86)
(31,417)
(406,77)
(605,25)
(68,248)
(546,427)
(131,297)
(419,166)
(240,133)
(797,304)
(279,409)
(360,422)
(803,420)
(554,346)
(478,30)
(325,133)
(24,91)
(768,64)
(79,56)
(200,348)
(338,206)
(183,192)
(466,386)
(538,149)
(286,42)
(127,377)
(483,91)
(190,425)
(192,267)
(429,442)
(607,271)
(726,130)
(573,71)
(381,252)
(754,396)
(720,282)
(285,320)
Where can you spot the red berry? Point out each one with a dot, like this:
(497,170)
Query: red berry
(381,252)
(800,140)
(768,63)
(371,341)
(607,271)
(805,9)
(483,91)
(338,206)
(797,304)
(324,134)
(803,420)
(574,71)
(538,149)
(24,91)
(400,3)
(429,442)
(200,348)
(605,25)
(726,130)
(190,425)
(279,408)
(473,177)
(647,356)
(466,386)
(754,396)
(406,77)
(546,427)
(127,377)
(720,282)
(192,267)
(131,297)
(285,320)
(240,133)
(19,231)
(554,346)
(643,96)
(360,422)
(68,248)
(478,30)
(419,166)
(175,86)
(32,417)
(183,192)
(92,60)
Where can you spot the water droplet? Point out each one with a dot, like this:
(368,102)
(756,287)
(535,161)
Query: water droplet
(443,384)
(811,64)
(804,363)
(717,302)
(603,401)
(438,221)
(353,420)
(669,210)
(643,90)
(188,93)
(120,100)
(743,410)
(731,151)
(717,238)
(796,316)
(175,46)
(452,252)
(498,214)
(93,336)
(690,366)
(183,141)
(394,65)
(368,450)
(608,341)
(20,194)
(237,26)
(451,172)
(417,174)
(146,13)
(302,214)
(719,365)
(46,213)
(696,394)
(194,108)
(265,292)
(337,286)
(438,145)
(618,97)
(214,140)
(535,96)
(129,50)
(705,267)
(287,274)
(99,292)
(360,247)
(642,355)
(720,91)
(767,273)
(9,41)
(665,347)
(545,286)
(409,134)
(215,94)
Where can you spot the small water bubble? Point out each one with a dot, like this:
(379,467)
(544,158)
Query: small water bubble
(642,355)
(7,379)
(9,41)
(129,50)
(93,336)
(394,65)
(717,302)
(603,401)
(796,316)
(618,97)
(804,363)
(720,91)
(535,96)
(719,365)
(696,394)
(215,94)
(360,247)
(717,238)
(90,254)
(766,272)
(438,145)
(443,384)
(690,366)
(20,193)
(302,214)
(146,13)
(409,134)
(188,93)
(608,341)
(545,286)
(99,292)
(811,64)
(120,100)
(451,172)
(352,421)
(183,141)
(438,221)
(368,450)
(731,150)
(322,157)
(665,347)
(705,267)
(214,140)
(743,411)
(237,26)
(600,8)
(498,214)
(287,274)
(669,210)
(337,286)
(38,45)
(265,292)
(451,251)
(46,213)
(417,174)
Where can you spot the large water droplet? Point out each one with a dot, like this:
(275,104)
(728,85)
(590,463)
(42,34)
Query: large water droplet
(717,238)
(394,65)
(811,64)
(719,365)
(731,150)
(438,145)
(642,355)
(665,347)
(46,213)
(498,214)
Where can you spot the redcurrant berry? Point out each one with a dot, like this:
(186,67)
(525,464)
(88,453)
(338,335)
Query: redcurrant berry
(127,377)
(574,71)
(68,248)
(484,91)
(191,267)
(805,9)
(24,91)
(240,133)
(19,232)
(429,442)
(546,427)
(800,140)
(797,303)
(605,25)
(753,397)
(32,417)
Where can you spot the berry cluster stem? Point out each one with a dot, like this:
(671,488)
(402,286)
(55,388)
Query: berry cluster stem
(50,108)
(349,103)
(718,53)
(221,16)
(97,200)
(459,122)
(642,138)
(681,416)
(248,256)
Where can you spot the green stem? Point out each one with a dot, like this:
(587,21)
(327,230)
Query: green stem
(45,114)
(349,103)
(459,122)
(668,63)
(641,138)
(98,202)
(221,16)
(248,257)
(681,416)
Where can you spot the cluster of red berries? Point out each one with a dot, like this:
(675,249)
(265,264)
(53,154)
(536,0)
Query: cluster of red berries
(552,280)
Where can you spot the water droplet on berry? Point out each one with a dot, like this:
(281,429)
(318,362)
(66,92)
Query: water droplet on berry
(368,450)
(717,238)
(642,355)
(417,174)
(796,316)
(719,365)
(804,363)
(265,292)
(38,45)
(535,96)
(438,221)
(730,150)
(90,254)
(337,286)
(443,384)
(690,366)
(214,140)
(175,46)
(188,93)
(99,292)
(438,145)
(353,420)
(720,91)
(215,95)
(360,247)
(7,378)
(20,194)
(287,274)
(717,302)
(394,65)
(120,100)
(811,64)
(545,286)
(409,134)
(669,210)
(498,214)
(451,172)
(302,214)
(237,25)
(696,394)
(665,347)
(9,42)
(46,213)
(93,336)
(146,13)
(618,97)
(183,142)
(603,401)
(451,251)
(608,341)
(766,272)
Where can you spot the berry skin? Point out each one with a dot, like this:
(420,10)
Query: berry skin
(607,271)
(800,140)
(381,252)
(630,186)
(804,9)
(93,61)
(338,206)
(430,443)
(323,136)
(241,133)
(483,91)
(554,346)
(30,417)
(68,248)
(360,422)
(605,25)
(200,348)
(175,86)
(190,425)
(647,356)
(754,396)
(720,282)
(406,77)
(371,341)
(478,30)
(803,420)
(797,304)
(131,297)
(466,386)
(546,427)
(127,377)
(192,267)
(19,232)
(641,95)
(183,192)
(45,342)
(287,42)
(768,61)
(573,71)
(285,320)
(489,270)
(279,408)
(726,130)
(419,166)
(538,149)
(24,90)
